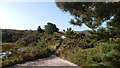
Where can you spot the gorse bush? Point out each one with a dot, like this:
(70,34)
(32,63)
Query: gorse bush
(111,49)
(80,52)
(29,39)
(83,49)
(25,54)
(79,40)
(41,43)
(29,51)
(30,46)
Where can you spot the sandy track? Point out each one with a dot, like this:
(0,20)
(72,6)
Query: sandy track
(50,61)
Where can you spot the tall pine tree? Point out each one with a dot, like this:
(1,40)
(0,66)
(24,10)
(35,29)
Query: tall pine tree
(93,14)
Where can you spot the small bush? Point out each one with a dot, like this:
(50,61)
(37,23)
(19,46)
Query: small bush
(102,54)
(69,32)
(29,39)
(29,53)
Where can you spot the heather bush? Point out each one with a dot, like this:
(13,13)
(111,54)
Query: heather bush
(102,54)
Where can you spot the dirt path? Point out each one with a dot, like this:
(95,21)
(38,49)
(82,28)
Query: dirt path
(50,61)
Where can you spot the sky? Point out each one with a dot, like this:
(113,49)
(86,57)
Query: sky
(30,15)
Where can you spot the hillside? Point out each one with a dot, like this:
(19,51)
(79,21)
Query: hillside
(20,46)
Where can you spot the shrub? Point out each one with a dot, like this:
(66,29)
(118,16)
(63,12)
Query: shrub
(41,43)
(11,35)
(27,54)
(69,32)
(102,54)
(50,28)
(29,39)
(39,29)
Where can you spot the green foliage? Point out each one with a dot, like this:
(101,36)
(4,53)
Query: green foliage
(41,43)
(91,13)
(50,28)
(103,34)
(109,52)
(100,34)
(39,29)
(25,54)
(84,49)
(69,32)
(79,40)
(101,54)
(11,35)
(30,46)
(8,46)
(29,39)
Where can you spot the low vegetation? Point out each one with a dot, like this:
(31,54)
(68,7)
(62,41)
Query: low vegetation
(94,48)
(26,45)
(84,51)
(99,47)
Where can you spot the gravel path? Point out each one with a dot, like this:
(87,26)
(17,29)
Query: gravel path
(50,61)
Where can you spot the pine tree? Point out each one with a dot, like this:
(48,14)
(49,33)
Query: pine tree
(93,14)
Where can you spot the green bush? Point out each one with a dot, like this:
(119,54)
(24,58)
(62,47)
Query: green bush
(102,54)
(69,32)
(32,46)
(50,28)
(41,43)
(9,35)
(26,54)
(40,30)
(29,39)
